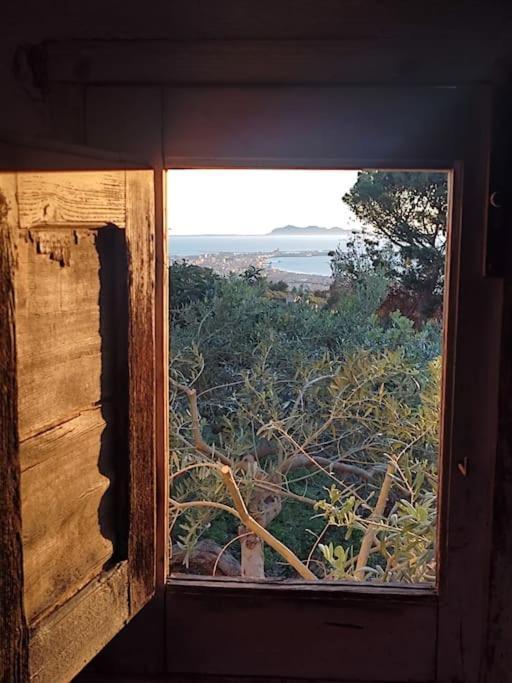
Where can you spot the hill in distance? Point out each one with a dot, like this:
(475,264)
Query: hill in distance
(309,230)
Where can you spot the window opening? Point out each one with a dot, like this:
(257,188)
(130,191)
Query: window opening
(306,311)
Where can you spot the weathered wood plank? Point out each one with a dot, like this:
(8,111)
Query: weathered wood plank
(67,509)
(62,644)
(140,133)
(60,348)
(253,62)
(161,379)
(13,640)
(141,277)
(271,635)
(499,637)
(470,412)
(78,197)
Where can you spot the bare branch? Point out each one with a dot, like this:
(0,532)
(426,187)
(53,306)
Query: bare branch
(369,534)
(344,469)
(199,443)
(250,523)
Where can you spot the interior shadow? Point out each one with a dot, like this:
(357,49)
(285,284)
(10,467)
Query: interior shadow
(114,455)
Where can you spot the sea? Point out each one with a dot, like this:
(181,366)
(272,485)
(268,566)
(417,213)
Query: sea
(294,247)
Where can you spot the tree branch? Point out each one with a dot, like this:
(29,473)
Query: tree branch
(250,523)
(302,460)
(242,514)
(199,443)
(369,534)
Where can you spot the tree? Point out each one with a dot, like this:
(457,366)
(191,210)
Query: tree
(404,230)
(190,283)
(295,400)
(253,275)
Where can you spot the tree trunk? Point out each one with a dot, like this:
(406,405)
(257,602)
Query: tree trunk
(252,557)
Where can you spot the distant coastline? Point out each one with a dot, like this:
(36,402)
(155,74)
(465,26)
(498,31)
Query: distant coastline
(284,231)
(298,259)
(308,230)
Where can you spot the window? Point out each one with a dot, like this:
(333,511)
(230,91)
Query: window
(428,129)
(306,361)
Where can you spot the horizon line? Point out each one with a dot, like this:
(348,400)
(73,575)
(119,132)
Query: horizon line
(247,234)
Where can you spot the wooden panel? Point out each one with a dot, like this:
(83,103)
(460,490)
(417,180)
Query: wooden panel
(278,62)
(23,153)
(66,104)
(140,235)
(270,634)
(78,197)
(162,379)
(72,369)
(58,327)
(13,640)
(470,419)
(498,661)
(67,640)
(141,133)
(219,126)
(68,528)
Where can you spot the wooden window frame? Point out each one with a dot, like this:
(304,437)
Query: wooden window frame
(460,614)
(459,623)
(187,598)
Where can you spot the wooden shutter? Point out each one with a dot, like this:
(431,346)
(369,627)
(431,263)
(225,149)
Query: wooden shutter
(77,468)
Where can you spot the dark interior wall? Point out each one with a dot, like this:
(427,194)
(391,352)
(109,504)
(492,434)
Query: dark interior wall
(468,28)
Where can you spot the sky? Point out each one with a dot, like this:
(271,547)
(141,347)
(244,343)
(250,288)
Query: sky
(253,202)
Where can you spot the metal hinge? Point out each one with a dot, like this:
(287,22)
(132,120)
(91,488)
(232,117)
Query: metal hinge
(497,247)
(497,263)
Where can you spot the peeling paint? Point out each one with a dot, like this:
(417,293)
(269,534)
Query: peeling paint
(4,206)
(57,245)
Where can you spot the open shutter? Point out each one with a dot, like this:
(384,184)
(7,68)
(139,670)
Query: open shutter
(77,467)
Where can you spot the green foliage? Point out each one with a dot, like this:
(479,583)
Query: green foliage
(279,286)
(268,377)
(404,217)
(326,409)
(253,276)
(189,283)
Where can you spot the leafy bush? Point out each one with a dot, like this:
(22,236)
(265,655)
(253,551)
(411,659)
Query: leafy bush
(316,410)
(189,283)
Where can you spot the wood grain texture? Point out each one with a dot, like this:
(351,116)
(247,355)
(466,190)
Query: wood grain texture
(58,327)
(162,379)
(63,643)
(78,197)
(13,640)
(141,282)
(68,517)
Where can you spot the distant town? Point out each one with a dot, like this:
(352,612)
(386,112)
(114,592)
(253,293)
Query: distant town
(226,263)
